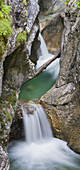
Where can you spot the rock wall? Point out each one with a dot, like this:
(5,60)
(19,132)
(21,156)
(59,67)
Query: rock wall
(15,66)
(62,102)
(51,6)
(52,33)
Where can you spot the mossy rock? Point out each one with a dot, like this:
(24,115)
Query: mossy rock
(21,37)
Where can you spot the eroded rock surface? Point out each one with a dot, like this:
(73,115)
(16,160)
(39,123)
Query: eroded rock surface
(62,102)
(52,33)
(15,66)
(51,6)
(4,161)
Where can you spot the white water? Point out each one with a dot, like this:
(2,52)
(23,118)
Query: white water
(54,68)
(43,48)
(44,152)
(40,150)
(45,56)
(35,125)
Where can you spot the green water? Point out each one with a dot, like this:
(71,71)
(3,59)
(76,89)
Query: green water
(36,87)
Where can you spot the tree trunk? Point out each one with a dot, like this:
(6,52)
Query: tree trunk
(45,65)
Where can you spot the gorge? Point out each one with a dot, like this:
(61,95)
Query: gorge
(60,27)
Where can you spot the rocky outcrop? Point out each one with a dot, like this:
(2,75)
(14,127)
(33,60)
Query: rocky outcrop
(15,66)
(4,161)
(51,6)
(6,115)
(52,33)
(24,25)
(62,102)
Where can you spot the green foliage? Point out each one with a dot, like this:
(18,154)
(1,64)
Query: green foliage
(67,2)
(24,2)
(8,116)
(5,29)
(21,37)
(77,3)
(5,26)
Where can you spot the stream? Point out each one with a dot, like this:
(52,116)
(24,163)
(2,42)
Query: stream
(41,150)
(40,84)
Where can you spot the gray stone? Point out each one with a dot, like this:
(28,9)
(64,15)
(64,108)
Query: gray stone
(4,161)
(52,33)
(62,102)
(51,6)
(15,68)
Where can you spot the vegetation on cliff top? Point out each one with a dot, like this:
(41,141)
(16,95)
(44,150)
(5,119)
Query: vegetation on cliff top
(77,3)
(5,26)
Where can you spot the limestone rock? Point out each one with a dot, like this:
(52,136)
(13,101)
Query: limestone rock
(62,102)
(51,6)
(17,128)
(20,68)
(4,162)
(52,33)
(16,67)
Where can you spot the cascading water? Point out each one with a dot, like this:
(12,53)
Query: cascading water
(40,150)
(45,56)
(35,125)
(39,85)
(43,48)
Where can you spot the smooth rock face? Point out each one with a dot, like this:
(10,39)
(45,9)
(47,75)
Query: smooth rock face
(52,33)
(51,6)
(62,102)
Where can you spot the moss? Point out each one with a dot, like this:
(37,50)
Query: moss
(2,127)
(24,2)
(21,37)
(7,100)
(76,4)
(5,26)
(7,115)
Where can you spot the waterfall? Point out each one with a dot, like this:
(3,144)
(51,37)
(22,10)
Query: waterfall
(40,84)
(43,48)
(36,125)
(54,67)
(40,150)
(36,153)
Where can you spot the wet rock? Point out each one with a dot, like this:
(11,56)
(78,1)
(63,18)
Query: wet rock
(16,68)
(20,68)
(51,6)
(17,128)
(52,33)
(62,102)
